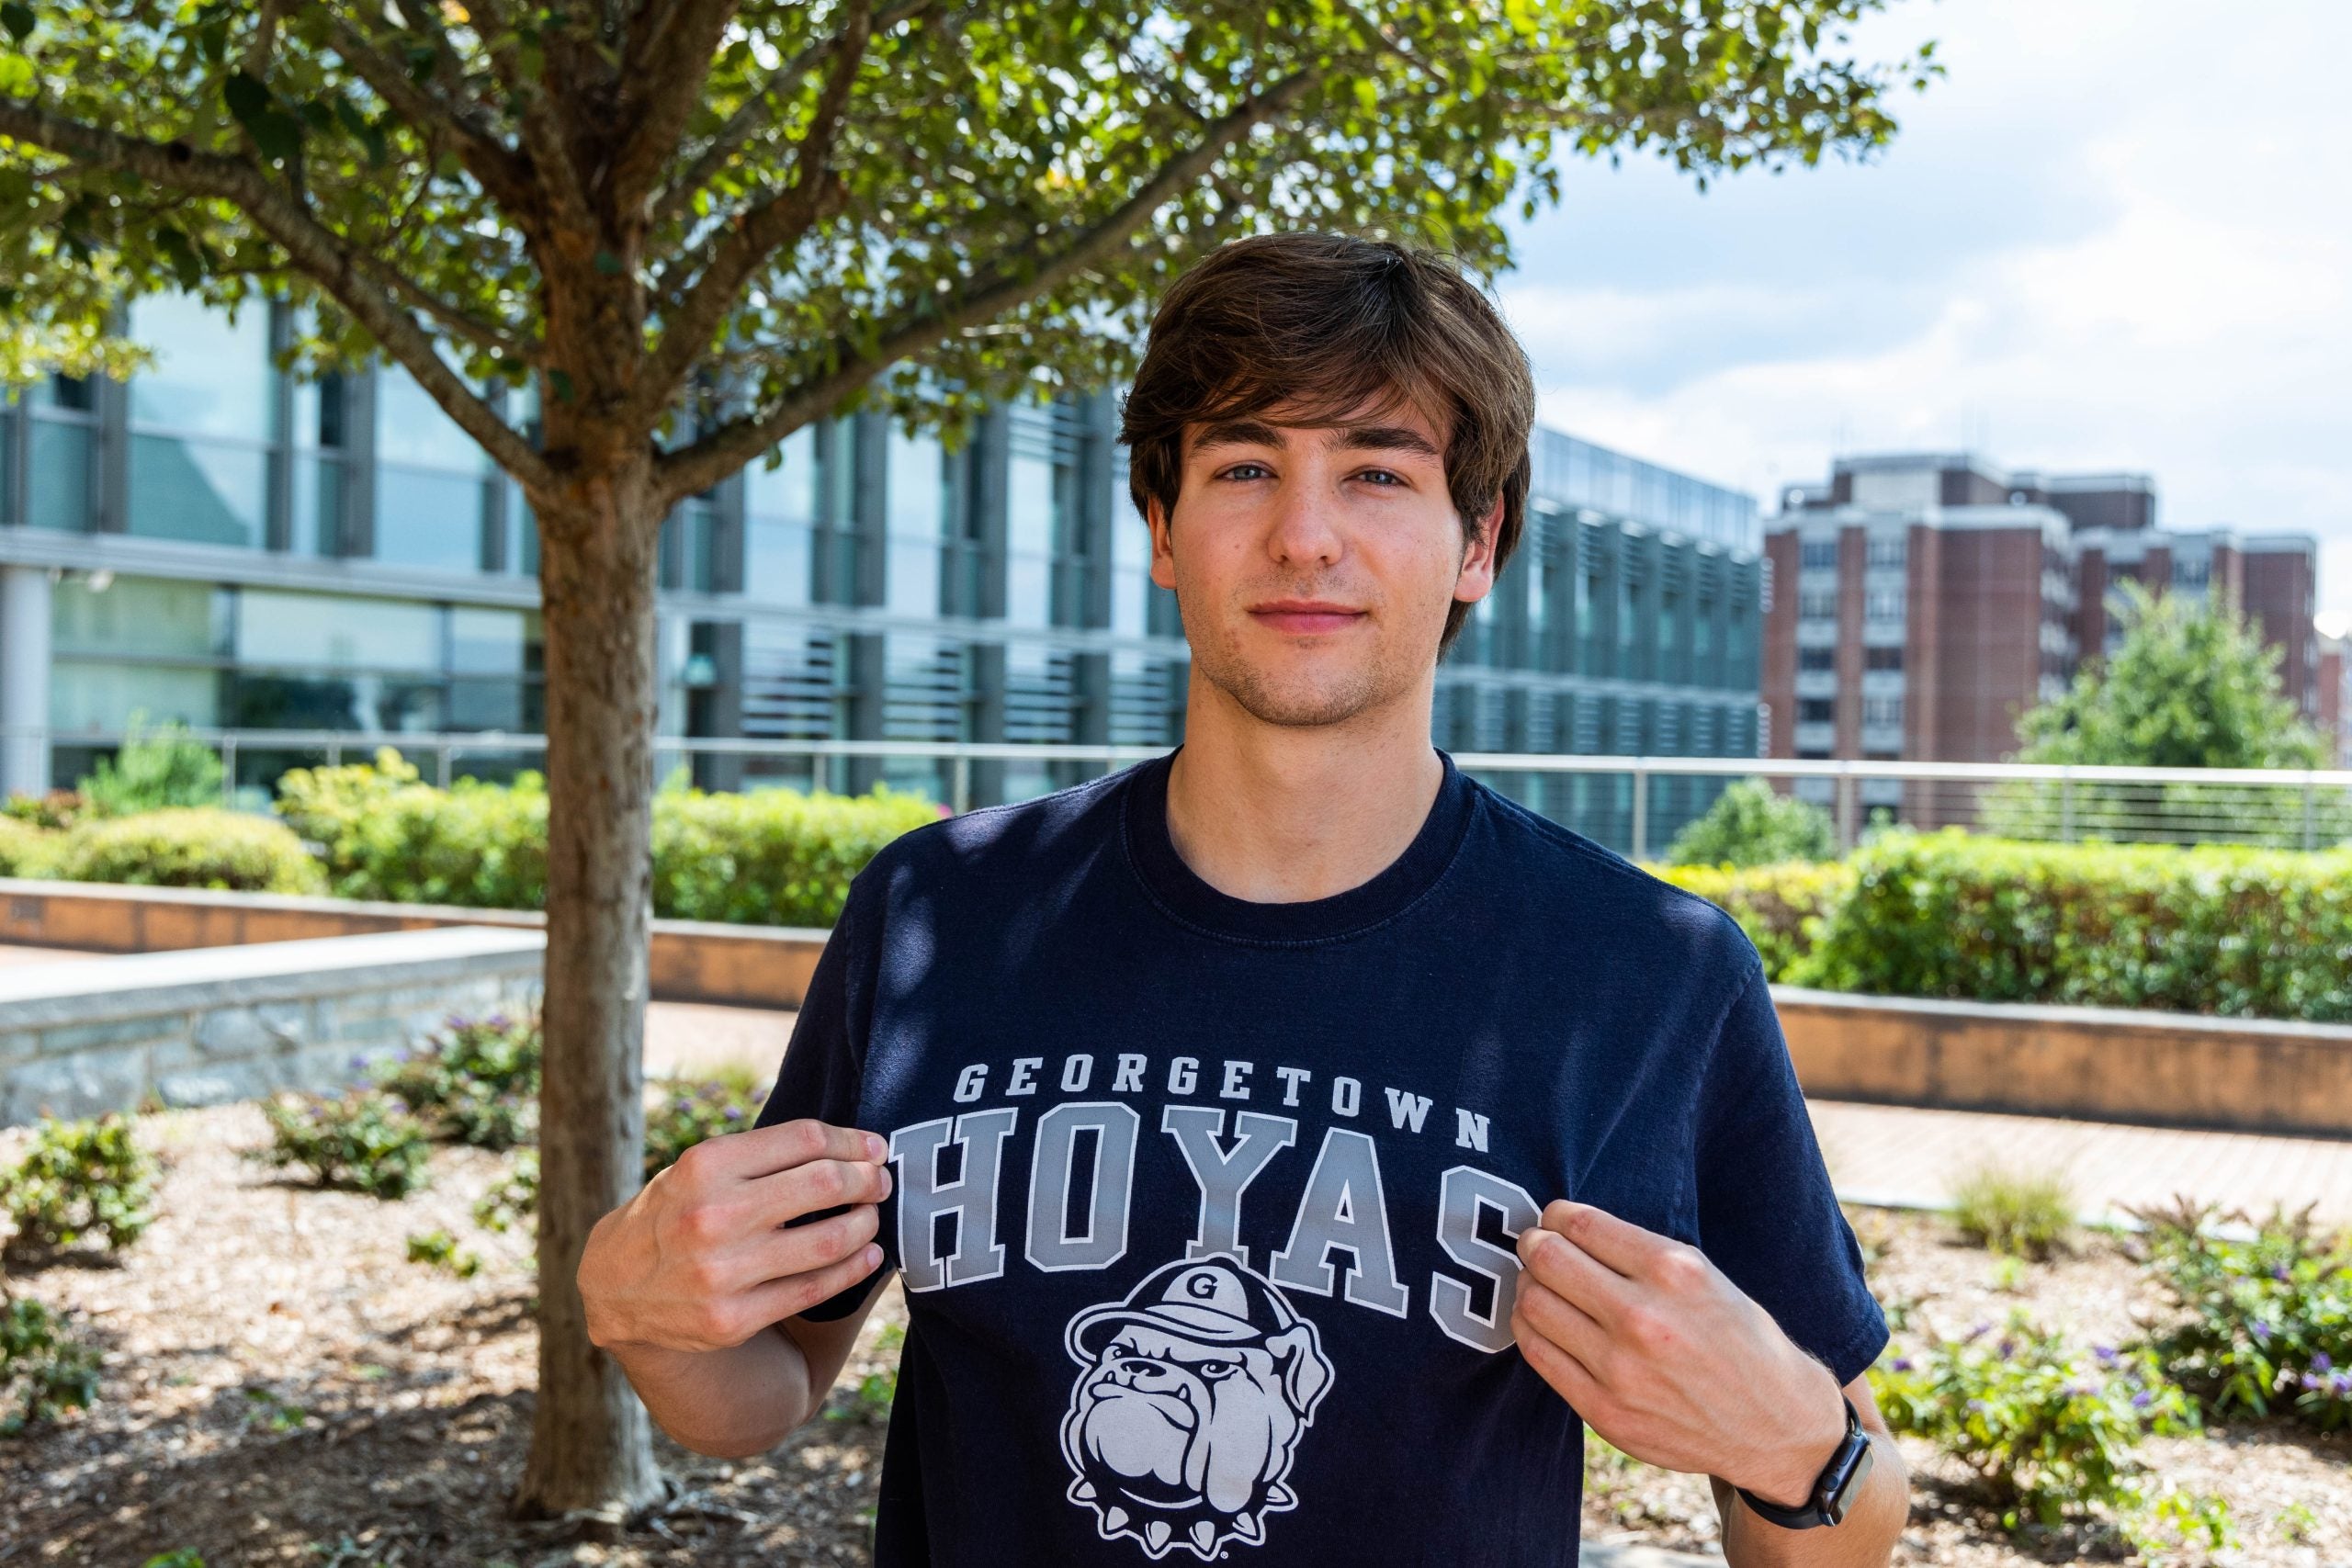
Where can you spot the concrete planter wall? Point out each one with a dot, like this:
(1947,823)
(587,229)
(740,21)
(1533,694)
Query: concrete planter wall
(203,1028)
(692,961)
(2100,1064)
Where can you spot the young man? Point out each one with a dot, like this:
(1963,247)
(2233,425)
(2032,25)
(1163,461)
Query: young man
(1288,1145)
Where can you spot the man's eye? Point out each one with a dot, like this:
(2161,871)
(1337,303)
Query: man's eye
(1381,476)
(1245,471)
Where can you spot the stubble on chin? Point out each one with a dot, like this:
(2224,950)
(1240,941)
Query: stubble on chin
(1301,703)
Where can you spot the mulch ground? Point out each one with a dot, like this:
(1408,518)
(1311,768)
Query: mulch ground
(282,1385)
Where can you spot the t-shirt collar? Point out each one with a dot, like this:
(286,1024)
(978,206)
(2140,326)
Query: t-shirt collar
(1180,891)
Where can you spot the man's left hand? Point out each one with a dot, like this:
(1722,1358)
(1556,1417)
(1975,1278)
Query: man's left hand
(1667,1360)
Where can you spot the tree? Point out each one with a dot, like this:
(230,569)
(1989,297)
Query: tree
(1752,824)
(679,229)
(2190,684)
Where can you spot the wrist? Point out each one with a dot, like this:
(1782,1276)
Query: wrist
(1802,1446)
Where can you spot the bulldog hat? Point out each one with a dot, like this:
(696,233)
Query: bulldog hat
(1213,1300)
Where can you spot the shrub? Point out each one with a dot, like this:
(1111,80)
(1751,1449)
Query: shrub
(2029,1214)
(2240,932)
(774,857)
(690,1112)
(2265,1319)
(79,1179)
(2049,1431)
(439,1249)
(43,1371)
(363,1141)
(382,833)
(187,847)
(515,1198)
(1752,824)
(55,808)
(1779,906)
(474,1080)
(25,849)
(154,769)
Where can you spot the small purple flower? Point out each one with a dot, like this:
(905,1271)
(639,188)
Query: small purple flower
(2340,1382)
(1976,1333)
(2007,1349)
(1901,1364)
(2278,1272)
(734,1113)
(2142,1399)
(2261,1331)
(2321,1362)
(1975,1407)
(2105,1354)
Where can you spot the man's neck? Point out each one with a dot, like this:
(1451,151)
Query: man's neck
(1278,815)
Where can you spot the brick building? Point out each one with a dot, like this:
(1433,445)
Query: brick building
(1921,601)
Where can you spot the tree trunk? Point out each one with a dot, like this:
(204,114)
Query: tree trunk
(592,1448)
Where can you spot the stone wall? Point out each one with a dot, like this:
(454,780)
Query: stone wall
(210,1025)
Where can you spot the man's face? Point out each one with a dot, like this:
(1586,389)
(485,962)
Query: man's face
(1313,565)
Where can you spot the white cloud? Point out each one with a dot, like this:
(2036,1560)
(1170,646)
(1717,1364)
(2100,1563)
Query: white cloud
(2108,241)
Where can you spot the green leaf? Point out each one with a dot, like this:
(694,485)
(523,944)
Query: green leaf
(609,264)
(278,134)
(19,19)
(186,266)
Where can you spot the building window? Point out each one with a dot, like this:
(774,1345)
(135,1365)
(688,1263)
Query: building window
(200,422)
(1818,604)
(1883,659)
(1816,660)
(1816,710)
(429,480)
(1886,550)
(1817,554)
(1877,711)
(1882,605)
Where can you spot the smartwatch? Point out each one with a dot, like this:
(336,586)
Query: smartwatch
(1833,1489)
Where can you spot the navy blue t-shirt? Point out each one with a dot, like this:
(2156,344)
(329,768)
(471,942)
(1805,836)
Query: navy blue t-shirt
(1205,1207)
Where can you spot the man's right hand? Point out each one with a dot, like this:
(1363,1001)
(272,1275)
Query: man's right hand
(705,1256)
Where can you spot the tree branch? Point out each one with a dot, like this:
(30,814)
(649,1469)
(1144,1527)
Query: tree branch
(745,246)
(1036,270)
(658,94)
(485,156)
(546,146)
(320,253)
(674,200)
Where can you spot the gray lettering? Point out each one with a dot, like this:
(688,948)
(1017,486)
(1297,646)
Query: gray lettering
(971,1198)
(1052,1166)
(1344,1206)
(1221,1176)
(1460,1195)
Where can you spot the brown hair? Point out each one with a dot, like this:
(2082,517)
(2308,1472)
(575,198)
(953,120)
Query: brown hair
(1318,325)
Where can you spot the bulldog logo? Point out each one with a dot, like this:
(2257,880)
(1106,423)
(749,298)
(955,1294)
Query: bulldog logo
(1190,1395)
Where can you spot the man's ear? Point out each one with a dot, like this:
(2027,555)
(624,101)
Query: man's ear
(1475,579)
(1163,542)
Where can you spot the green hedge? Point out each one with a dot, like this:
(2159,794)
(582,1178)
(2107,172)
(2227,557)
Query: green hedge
(2238,933)
(771,857)
(184,846)
(1777,906)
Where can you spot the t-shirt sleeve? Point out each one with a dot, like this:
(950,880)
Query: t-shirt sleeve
(1767,1217)
(824,1063)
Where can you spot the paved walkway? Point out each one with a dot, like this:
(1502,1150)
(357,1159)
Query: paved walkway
(1905,1157)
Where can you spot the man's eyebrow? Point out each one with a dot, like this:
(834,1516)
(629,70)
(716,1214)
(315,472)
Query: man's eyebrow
(1383,438)
(1236,433)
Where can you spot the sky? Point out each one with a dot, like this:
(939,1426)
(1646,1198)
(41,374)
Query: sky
(2117,235)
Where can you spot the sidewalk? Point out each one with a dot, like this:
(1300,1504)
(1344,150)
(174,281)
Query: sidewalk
(1905,1157)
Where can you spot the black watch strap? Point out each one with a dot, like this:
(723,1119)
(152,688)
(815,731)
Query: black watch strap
(1833,1489)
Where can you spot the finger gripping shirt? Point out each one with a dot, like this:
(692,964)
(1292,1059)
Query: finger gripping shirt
(1205,1207)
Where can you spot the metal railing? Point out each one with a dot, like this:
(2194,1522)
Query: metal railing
(1632,803)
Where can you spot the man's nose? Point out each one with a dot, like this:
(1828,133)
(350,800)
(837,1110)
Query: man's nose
(1303,532)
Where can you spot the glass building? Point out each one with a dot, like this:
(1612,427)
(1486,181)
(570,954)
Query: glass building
(218,543)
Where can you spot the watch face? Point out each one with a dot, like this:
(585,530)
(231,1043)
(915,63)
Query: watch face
(1842,1492)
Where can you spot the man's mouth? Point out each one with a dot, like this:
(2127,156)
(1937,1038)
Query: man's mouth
(1304,617)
